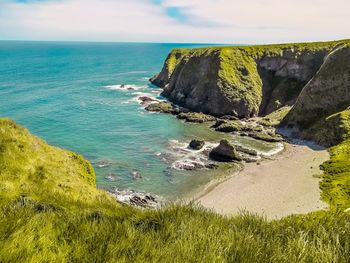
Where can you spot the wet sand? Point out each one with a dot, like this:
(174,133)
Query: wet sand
(274,188)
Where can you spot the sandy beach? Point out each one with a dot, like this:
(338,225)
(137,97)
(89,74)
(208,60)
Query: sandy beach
(275,188)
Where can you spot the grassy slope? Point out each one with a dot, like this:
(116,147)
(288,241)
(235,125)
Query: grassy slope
(336,183)
(55,213)
(35,171)
(51,211)
(275,118)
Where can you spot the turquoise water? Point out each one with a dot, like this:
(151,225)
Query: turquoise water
(58,91)
(67,94)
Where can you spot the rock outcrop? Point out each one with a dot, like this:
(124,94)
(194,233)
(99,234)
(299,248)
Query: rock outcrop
(327,93)
(224,152)
(320,112)
(196,144)
(241,81)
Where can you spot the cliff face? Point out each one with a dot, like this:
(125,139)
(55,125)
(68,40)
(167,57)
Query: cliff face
(241,81)
(327,93)
(321,109)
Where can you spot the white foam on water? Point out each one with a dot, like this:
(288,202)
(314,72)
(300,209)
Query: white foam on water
(124,87)
(279,148)
(184,158)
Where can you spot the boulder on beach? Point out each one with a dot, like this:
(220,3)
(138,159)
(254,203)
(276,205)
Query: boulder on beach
(225,152)
(196,144)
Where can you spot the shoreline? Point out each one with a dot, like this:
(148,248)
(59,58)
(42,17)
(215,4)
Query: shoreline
(276,187)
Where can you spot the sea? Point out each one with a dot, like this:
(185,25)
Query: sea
(84,97)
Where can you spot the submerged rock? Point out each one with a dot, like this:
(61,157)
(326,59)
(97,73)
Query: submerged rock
(225,152)
(196,144)
(103,163)
(136,175)
(111,177)
(188,165)
(146,100)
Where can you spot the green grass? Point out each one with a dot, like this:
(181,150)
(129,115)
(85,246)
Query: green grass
(336,179)
(237,77)
(52,212)
(30,168)
(331,130)
(172,234)
(275,118)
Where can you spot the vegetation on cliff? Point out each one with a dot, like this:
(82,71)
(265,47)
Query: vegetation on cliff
(51,210)
(243,81)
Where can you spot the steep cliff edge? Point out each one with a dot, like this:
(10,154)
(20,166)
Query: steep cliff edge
(321,111)
(37,174)
(244,81)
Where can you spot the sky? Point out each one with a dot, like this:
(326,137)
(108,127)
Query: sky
(175,21)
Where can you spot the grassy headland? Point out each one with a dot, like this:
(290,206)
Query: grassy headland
(51,210)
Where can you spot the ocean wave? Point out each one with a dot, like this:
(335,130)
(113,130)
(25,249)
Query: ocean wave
(124,87)
(279,148)
(181,157)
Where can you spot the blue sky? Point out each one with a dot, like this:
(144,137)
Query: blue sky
(205,21)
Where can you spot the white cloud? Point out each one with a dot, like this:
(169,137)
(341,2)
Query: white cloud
(236,21)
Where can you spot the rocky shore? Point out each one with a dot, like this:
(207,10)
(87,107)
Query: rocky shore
(134,198)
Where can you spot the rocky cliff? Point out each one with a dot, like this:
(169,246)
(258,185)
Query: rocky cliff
(244,81)
(321,110)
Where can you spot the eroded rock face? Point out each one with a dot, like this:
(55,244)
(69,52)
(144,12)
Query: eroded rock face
(327,93)
(194,85)
(285,76)
(225,152)
(241,81)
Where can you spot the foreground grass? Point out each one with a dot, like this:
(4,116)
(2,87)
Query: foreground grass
(336,179)
(52,212)
(172,234)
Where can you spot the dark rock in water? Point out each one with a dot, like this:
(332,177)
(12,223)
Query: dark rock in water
(196,117)
(188,165)
(136,175)
(111,177)
(196,144)
(103,163)
(177,110)
(211,166)
(137,199)
(225,152)
(146,101)
(163,107)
